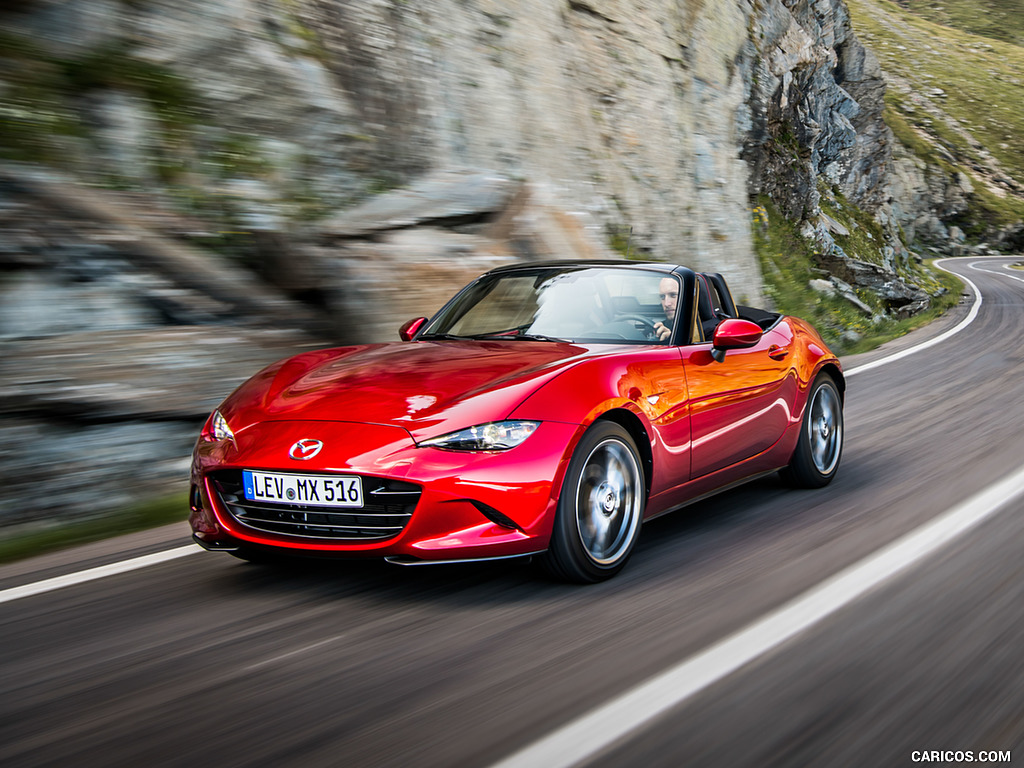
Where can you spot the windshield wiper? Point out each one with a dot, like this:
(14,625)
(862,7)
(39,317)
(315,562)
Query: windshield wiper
(491,335)
(540,337)
(516,336)
(442,337)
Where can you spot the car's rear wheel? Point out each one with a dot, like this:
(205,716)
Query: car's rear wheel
(820,447)
(600,508)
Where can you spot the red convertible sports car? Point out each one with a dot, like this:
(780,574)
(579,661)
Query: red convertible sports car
(548,410)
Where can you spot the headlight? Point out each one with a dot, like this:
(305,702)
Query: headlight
(217,429)
(496,436)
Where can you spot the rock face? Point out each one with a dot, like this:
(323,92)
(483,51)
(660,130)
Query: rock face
(634,113)
(90,422)
(111,359)
(817,97)
(924,195)
(661,116)
(356,162)
(115,343)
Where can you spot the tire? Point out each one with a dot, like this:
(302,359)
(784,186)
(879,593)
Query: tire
(816,458)
(600,507)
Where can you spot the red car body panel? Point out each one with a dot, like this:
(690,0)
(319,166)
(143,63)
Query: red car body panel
(701,425)
(739,407)
(521,490)
(426,387)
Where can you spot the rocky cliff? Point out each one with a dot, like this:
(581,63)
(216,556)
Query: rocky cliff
(663,116)
(347,164)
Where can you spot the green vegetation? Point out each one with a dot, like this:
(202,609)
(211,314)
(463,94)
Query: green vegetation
(865,239)
(39,108)
(34,120)
(48,116)
(789,262)
(297,37)
(113,66)
(997,19)
(954,97)
(43,120)
(621,241)
(36,541)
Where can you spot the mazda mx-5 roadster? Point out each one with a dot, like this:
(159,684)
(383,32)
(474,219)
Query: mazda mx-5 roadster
(547,410)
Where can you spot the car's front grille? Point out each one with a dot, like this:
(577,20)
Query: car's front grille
(386,510)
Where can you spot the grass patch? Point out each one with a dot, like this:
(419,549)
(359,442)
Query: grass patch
(891,329)
(954,97)
(789,262)
(30,541)
(996,19)
(896,117)
(865,239)
(987,208)
(982,81)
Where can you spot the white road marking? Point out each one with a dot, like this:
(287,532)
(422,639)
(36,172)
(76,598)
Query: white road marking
(68,580)
(616,720)
(48,585)
(290,654)
(588,735)
(1001,274)
(931,342)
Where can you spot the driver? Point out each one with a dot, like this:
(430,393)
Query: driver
(668,293)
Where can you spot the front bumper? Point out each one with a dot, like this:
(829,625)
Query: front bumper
(472,506)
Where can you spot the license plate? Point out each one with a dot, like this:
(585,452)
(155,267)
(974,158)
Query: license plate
(310,490)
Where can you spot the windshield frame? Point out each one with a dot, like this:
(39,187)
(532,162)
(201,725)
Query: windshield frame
(439,327)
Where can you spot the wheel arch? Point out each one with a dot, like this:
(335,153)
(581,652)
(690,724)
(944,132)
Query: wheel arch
(629,421)
(833,370)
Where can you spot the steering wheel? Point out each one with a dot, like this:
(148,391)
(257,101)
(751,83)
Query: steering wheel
(646,322)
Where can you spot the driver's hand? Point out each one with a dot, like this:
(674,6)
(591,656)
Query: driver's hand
(662,331)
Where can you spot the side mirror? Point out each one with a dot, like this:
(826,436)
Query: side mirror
(409,329)
(734,333)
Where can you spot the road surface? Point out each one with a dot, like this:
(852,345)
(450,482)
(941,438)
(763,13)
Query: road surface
(205,660)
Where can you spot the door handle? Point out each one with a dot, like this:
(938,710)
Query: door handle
(775,352)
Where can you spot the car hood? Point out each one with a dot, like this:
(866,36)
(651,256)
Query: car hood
(427,387)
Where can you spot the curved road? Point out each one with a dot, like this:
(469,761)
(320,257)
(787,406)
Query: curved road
(207,660)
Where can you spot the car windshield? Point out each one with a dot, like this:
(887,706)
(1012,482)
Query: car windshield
(578,304)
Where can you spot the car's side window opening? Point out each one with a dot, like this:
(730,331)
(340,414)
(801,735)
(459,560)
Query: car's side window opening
(721,302)
(724,306)
(706,320)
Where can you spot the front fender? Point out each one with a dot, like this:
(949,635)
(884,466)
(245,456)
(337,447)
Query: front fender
(644,383)
(648,384)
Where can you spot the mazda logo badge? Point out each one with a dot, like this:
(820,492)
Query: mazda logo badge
(305,449)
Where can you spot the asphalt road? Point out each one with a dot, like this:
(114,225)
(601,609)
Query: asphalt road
(205,660)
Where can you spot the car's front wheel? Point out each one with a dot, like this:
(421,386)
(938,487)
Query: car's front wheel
(600,508)
(820,446)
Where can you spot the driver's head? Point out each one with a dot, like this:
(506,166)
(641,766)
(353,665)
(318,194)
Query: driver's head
(668,292)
